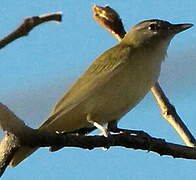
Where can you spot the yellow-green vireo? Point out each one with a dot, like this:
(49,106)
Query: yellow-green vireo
(113,84)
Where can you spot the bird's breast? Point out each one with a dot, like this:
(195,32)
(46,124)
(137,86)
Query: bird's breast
(125,89)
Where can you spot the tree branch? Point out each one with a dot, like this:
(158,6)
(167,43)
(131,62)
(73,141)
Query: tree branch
(18,134)
(8,121)
(27,25)
(168,111)
(109,19)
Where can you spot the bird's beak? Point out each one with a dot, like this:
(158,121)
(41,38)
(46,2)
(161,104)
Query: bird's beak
(177,28)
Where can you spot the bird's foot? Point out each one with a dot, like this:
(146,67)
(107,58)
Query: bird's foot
(129,131)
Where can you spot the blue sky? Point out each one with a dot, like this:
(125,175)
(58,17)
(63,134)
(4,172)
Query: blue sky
(36,70)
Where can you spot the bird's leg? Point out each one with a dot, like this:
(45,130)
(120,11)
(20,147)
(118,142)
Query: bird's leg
(112,127)
(103,130)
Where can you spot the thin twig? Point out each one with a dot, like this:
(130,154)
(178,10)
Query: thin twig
(110,20)
(28,24)
(168,111)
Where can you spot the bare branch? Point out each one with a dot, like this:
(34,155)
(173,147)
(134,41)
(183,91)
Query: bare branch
(168,111)
(27,25)
(9,122)
(15,128)
(43,139)
(26,136)
(110,20)
(8,146)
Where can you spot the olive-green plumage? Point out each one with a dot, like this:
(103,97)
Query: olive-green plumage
(115,82)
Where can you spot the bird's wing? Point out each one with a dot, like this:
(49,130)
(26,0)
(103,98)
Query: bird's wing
(99,73)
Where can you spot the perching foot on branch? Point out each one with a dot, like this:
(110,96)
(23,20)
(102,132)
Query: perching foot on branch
(112,127)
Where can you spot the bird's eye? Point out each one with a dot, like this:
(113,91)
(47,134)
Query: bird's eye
(154,27)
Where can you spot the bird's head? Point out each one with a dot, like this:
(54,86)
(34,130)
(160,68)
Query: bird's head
(153,32)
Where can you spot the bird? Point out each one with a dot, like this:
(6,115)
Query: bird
(113,84)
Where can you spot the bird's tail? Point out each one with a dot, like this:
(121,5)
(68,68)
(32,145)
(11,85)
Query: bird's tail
(21,154)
